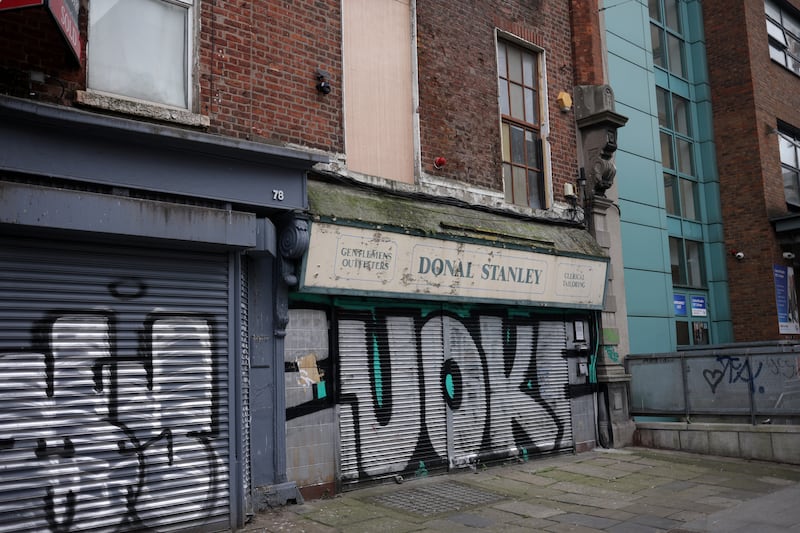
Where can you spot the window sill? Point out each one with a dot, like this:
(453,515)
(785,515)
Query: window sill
(128,106)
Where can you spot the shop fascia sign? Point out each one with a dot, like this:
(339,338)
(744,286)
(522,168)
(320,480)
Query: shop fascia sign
(353,260)
(65,13)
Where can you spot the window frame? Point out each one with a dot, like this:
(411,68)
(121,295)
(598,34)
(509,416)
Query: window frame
(688,264)
(784,44)
(791,137)
(540,129)
(668,35)
(189,55)
(677,202)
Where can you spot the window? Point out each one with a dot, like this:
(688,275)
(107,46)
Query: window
(677,155)
(666,34)
(698,335)
(783,29)
(686,258)
(790,164)
(377,88)
(691,318)
(141,49)
(519,95)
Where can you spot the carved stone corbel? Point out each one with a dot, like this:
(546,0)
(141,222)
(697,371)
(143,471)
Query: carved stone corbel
(292,244)
(293,241)
(598,122)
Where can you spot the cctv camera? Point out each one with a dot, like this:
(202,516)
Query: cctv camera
(788,255)
(324,87)
(739,255)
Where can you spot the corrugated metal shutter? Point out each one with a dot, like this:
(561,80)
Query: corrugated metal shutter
(430,386)
(470,409)
(551,420)
(381,419)
(113,388)
(509,386)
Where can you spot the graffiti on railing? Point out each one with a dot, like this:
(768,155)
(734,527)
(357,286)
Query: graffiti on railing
(726,382)
(786,367)
(732,370)
(775,371)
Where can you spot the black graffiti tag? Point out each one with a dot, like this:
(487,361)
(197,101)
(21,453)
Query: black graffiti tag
(735,369)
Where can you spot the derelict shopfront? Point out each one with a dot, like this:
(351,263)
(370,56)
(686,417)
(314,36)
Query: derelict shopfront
(429,336)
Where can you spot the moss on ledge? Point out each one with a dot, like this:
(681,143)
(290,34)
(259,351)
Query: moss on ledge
(371,207)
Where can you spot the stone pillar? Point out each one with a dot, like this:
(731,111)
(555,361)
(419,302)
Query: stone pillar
(598,123)
(272,272)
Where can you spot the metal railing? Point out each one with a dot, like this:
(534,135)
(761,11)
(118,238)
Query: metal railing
(755,380)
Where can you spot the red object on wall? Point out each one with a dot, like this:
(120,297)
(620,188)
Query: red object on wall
(13,4)
(65,13)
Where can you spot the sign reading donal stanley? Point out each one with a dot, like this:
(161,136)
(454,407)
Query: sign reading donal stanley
(361,260)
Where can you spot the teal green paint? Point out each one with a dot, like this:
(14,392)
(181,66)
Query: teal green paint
(460,310)
(426,310)
(516,312)
(305,297)
(321,390)
(376,371)
(449,386)
(612,354)
(524,454)
(530,385)
(651,334)
(421,471)
(645,225)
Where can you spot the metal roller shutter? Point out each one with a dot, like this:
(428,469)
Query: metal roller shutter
(551,421)
(113,388)
(429,386)
(383,427)
(505,384)
(528,376)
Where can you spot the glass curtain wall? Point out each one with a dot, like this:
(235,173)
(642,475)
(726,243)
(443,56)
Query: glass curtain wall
(683,134)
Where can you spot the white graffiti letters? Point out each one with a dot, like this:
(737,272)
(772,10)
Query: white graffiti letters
(448,389)
(89,436)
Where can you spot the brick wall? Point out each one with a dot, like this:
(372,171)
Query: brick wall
(31,41)
(257,63)
(459,116)
(749,93)
(256,71)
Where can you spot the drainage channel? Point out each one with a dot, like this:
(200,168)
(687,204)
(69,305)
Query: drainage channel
(436,498)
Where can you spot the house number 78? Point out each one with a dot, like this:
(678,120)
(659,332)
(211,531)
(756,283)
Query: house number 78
(277,194)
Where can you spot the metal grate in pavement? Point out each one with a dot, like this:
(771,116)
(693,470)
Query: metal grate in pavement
(436,498)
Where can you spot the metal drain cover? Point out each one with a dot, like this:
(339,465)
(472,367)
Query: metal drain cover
(436,498)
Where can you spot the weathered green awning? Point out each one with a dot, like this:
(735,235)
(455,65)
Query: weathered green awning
(369,208)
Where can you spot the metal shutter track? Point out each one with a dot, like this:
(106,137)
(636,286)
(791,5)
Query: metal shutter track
(113,388)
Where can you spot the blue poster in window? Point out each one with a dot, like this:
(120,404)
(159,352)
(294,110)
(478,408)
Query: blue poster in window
(786,300)
(679,302)
(699,307)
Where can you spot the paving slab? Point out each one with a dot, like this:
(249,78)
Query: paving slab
(661,491)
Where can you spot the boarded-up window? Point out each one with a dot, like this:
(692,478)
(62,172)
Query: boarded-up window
(378,95)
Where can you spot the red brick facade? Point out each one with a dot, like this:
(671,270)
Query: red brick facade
(257,62)
(258,65)
(750,93)
(458,85)
(256,68)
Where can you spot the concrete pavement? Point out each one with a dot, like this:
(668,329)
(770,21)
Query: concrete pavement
(632,490)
